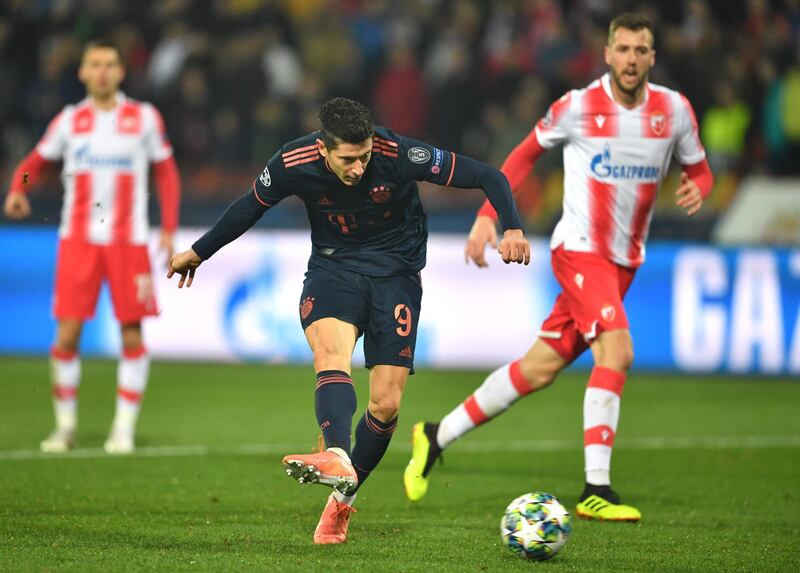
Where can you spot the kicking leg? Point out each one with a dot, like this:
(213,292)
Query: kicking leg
(332,342)
(373,434)
(534,371)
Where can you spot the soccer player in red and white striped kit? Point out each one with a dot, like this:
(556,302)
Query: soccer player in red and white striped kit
(106,142)
(619,134)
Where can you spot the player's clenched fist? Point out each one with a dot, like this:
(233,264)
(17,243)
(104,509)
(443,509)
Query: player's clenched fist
(514,247)
(184,264)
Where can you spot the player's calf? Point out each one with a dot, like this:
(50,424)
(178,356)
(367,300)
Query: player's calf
(498,392)
(372,439)
(132,376)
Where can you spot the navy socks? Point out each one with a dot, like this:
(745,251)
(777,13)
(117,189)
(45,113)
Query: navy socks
(335,404)
(372,439)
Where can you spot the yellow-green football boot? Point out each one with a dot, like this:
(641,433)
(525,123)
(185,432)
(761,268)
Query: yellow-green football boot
(603,504)
(424,452)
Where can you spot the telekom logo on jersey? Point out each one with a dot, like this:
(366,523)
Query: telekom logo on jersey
(85,158)
(605,169)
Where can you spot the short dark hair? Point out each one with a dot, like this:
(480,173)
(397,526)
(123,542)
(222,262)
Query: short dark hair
(629,21)
(103,43)
(345,120)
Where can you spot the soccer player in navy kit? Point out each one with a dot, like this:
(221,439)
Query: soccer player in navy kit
(369,235)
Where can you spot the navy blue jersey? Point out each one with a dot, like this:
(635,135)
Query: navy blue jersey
(377,227)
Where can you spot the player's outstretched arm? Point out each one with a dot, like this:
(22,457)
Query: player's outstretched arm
(516,168)
(427,163)
(185,264)
(237,218)
(513,247)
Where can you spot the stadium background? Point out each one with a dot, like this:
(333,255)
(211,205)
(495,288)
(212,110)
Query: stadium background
(236,78)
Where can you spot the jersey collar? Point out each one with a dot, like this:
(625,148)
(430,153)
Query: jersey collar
(605,81)
(120,99)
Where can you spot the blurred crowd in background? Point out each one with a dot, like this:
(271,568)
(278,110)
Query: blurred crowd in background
(235,79)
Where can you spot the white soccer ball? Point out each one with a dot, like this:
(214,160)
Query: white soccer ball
(535,526)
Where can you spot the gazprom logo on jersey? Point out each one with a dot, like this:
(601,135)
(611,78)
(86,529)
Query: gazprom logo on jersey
(605,169)
(85,158)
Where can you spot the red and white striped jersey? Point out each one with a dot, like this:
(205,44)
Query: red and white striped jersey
(106,157)
(614,162)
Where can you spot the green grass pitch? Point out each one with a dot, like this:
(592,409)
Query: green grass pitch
(713,463)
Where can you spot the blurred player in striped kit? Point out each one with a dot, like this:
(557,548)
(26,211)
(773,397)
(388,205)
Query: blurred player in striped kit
(107,143)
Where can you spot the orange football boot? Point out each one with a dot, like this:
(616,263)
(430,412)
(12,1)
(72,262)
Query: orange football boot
(332,526)
(326,468)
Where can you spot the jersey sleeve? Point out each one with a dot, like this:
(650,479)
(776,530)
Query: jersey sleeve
(557,124)
(421,161)
(688,148)
(273,185)
(53,143)
(268,189)
(157,141)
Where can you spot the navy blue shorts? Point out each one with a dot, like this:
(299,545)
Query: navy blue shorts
(384,309)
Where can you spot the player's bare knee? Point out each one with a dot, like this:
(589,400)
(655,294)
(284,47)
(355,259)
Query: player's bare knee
(132,336)
(328,357)
(623,352)
(614,350)
(627,357)
(384,408)
(384,403)
(537,376)
(67,342)
(66,346)
(68,336)
(537,373)
(618,357)
(542,379)
(323,351)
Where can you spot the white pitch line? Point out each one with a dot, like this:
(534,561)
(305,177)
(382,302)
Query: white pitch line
(157,452)
(470,447)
